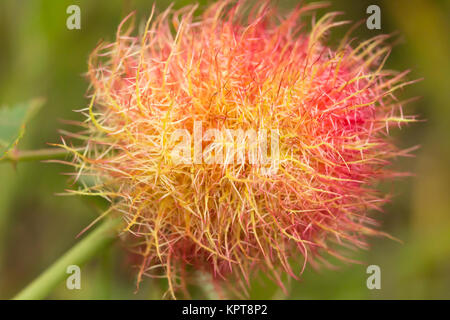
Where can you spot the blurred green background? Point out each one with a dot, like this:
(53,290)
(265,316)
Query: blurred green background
(40,57)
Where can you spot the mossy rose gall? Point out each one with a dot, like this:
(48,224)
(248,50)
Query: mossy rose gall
(244,70)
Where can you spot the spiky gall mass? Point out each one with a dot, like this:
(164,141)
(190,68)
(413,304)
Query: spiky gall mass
(239,69)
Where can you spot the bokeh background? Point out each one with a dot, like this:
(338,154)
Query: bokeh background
(40,57)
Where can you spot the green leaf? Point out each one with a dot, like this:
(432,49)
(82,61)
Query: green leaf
(13,121)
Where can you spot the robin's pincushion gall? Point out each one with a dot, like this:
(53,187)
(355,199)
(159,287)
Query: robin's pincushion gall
(239,69)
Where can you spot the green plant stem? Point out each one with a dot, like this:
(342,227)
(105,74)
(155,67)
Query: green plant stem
(34,155)
(83,251)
